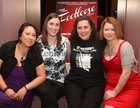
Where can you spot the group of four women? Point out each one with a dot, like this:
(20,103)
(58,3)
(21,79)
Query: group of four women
(103,66)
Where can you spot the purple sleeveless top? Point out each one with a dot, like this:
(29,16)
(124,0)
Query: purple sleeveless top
(17,80)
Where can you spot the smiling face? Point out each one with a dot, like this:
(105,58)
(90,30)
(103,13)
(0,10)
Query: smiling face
(109,32)
(53,26)
(84,29)
(28,36)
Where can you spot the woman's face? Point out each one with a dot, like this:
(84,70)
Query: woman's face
(53,26)
(84,29)
(28,36)
(109,32)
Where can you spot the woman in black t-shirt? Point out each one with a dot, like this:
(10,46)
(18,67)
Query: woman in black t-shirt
(84,86)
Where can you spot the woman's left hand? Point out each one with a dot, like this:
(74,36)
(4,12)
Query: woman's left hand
(21,93)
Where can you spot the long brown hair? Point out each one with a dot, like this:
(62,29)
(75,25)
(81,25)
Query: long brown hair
(45,32)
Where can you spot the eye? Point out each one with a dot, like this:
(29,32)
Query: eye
(33,35)
(85,27)
(27,33)
(51,23)
(79,28)
(105,29)
(57,24)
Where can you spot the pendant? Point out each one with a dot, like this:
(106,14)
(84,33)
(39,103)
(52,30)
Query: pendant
(21,61)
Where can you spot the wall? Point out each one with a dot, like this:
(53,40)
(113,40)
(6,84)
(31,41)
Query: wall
(14,13)
(129,15)
(33,12)
(1,21)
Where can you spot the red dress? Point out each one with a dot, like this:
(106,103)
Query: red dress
(129,96)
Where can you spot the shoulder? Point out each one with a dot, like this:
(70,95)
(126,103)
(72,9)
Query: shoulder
(64,39)
(39,38)
(126,48)
(126,45)
(9,44)
(7,48)
(100,42)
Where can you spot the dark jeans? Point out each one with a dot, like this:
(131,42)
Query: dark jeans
(78,97)
(49,93)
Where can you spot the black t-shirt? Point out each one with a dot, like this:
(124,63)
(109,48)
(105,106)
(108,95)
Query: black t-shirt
(86,62)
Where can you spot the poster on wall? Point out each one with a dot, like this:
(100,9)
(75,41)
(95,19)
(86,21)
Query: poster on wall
(70,10)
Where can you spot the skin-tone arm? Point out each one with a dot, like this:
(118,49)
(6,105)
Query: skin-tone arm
(121,83)
(9,92)
(41,77)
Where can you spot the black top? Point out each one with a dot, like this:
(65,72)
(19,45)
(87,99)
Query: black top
(86,62)
(7,54)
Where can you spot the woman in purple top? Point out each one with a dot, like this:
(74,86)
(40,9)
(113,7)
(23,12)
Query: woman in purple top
(22,68)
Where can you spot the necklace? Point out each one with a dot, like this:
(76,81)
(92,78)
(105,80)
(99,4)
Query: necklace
(22,53)
(111,49)
(110,52)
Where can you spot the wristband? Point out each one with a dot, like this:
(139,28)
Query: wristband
(5,89)
(26,88)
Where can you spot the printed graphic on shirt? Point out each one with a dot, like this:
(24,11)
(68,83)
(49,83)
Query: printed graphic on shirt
(83,57)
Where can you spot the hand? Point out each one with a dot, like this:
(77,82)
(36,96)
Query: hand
(110,94)
(20,94)
(10,93)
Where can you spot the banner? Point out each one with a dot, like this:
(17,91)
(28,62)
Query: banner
(70,10)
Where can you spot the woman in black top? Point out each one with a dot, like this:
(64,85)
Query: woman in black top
(84,86)
(21,69)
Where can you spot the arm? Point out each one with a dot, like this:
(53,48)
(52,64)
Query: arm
(41,77)
(121,83)
(2,83)
(9,92)
(40,72)
(127,61)
(123,79)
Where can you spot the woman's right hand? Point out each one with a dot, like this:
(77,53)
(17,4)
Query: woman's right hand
(110,94)
(10,93)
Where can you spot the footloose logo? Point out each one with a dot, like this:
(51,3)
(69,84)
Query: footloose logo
(78,12)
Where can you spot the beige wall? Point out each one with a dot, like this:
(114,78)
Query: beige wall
(129,15)
(12,15)
(33,12)
(15,12)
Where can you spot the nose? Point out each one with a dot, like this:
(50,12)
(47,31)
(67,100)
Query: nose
(53,26)
(109,31)
(82,30)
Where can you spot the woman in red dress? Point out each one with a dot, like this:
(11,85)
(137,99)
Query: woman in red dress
(123,82)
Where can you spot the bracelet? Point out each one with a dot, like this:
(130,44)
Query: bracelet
(5,89)
(26,88)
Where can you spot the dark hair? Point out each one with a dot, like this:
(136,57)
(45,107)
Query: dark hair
(23,26)
(45,32)
(74,33)
(100,19)
(116,24)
